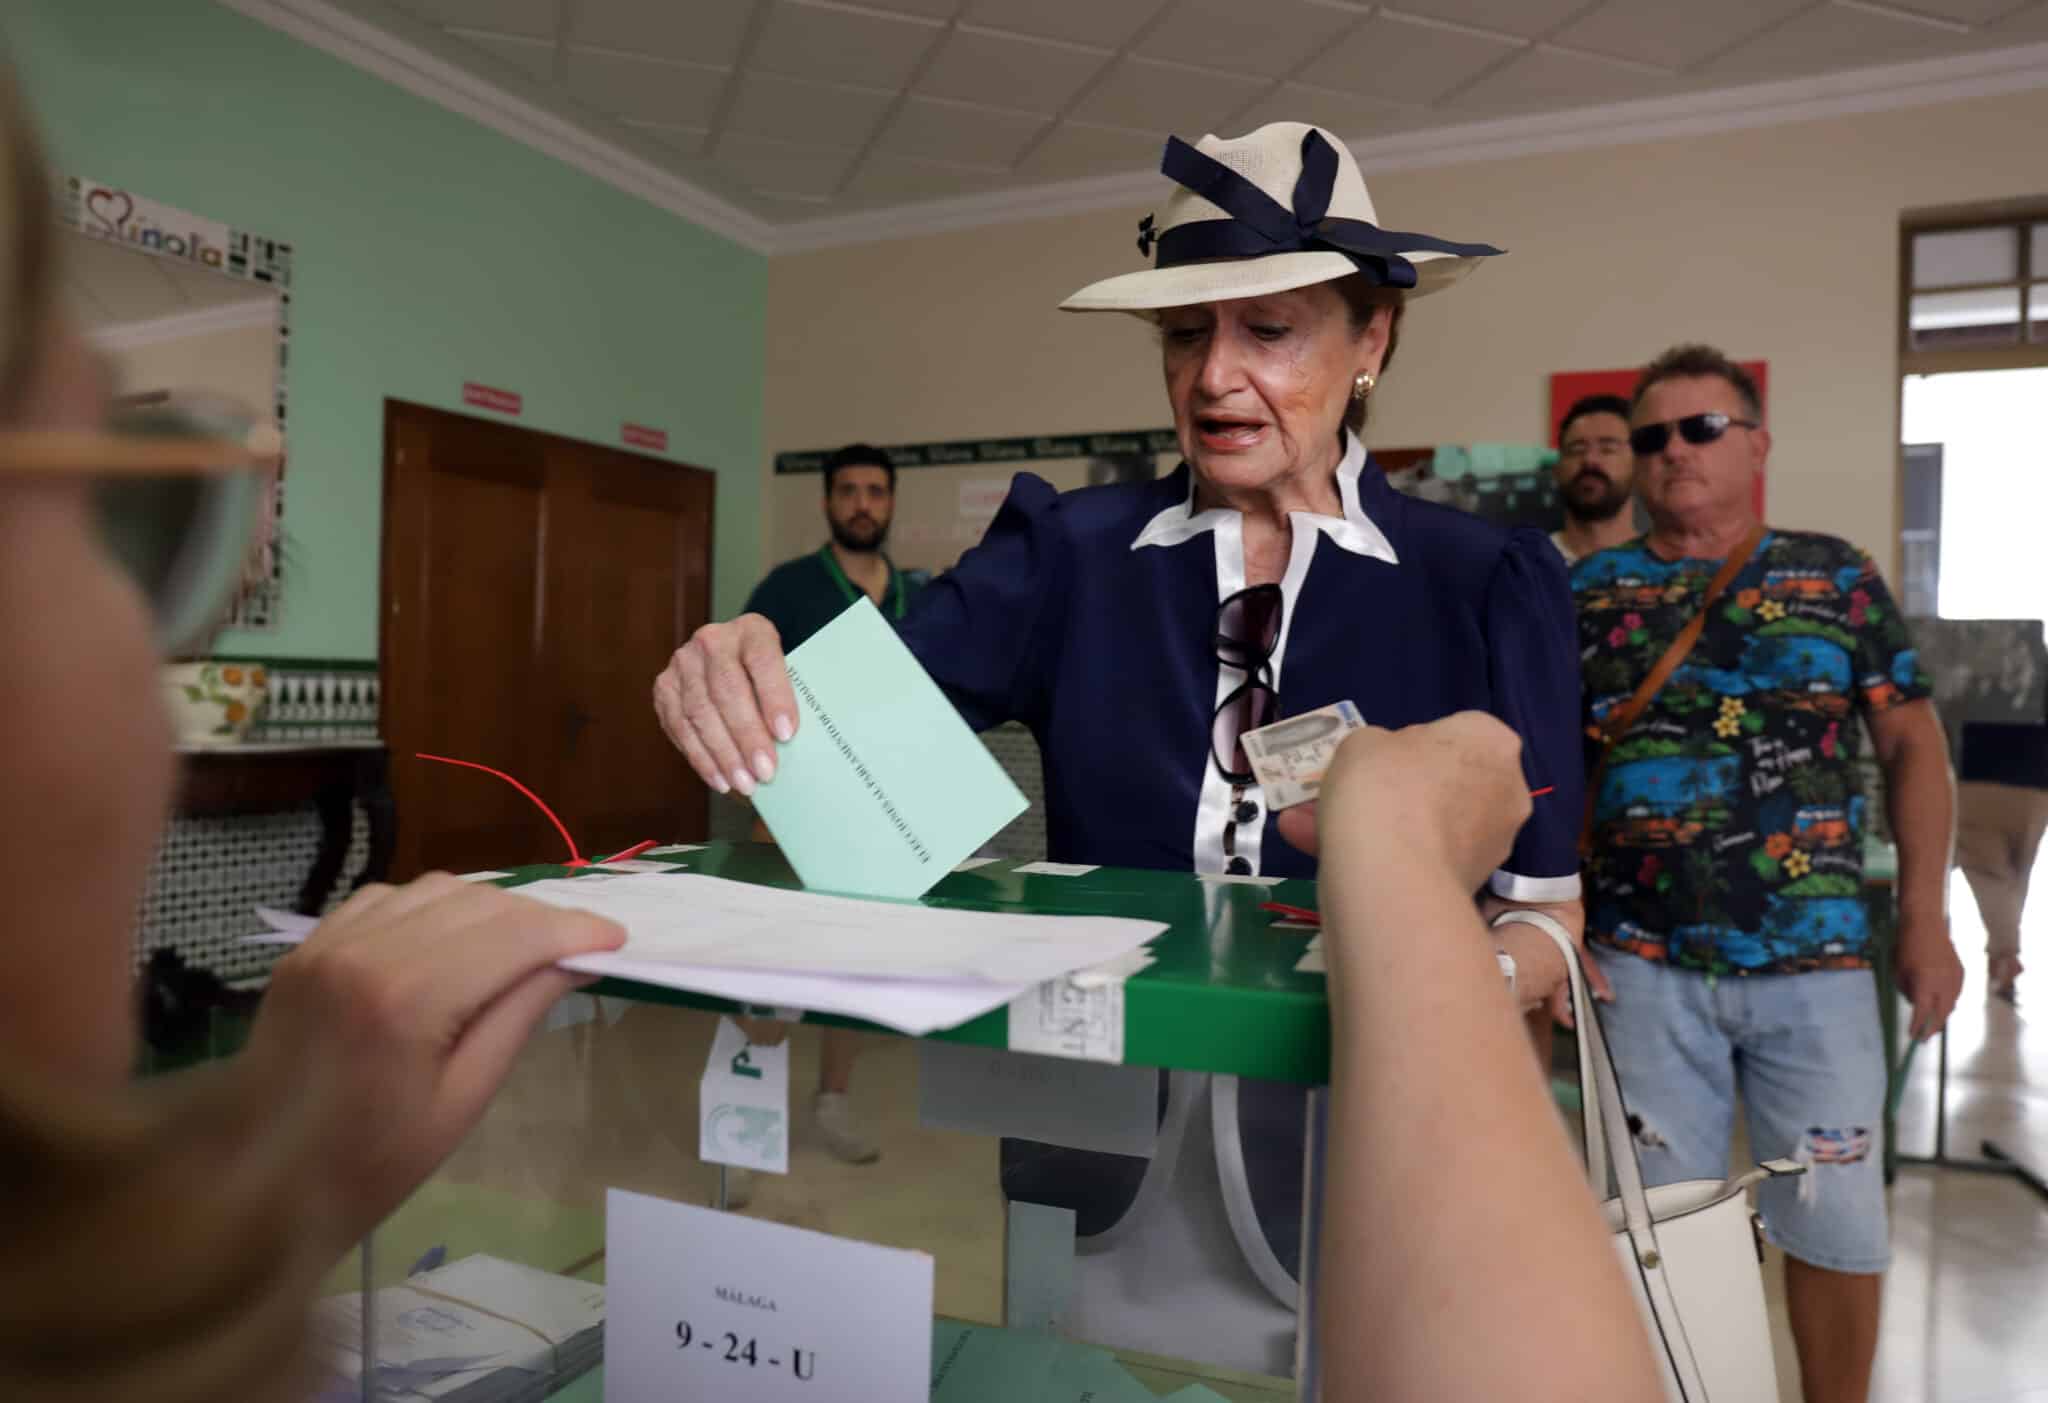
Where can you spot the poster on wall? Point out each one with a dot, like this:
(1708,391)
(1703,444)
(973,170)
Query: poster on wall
(1568,387)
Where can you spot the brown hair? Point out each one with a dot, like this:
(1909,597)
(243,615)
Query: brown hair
(1696,361)
(27,242)
(1364,298)
(162,1241)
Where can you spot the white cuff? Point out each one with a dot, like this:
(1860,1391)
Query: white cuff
(1540,890)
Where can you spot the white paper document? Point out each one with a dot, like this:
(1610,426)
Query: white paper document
(709,1305)
(1055,869)
(714,923)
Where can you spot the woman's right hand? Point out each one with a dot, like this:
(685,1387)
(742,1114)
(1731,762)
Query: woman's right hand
(1442,797)
(399,1017)
(724,700)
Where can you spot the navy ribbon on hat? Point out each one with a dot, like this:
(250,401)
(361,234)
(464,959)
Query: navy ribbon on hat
(1261,225)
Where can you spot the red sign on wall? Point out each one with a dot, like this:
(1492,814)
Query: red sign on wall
(640,436)
(487,397)
(1568,387)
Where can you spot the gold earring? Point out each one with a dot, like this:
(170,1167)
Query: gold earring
(1362,383)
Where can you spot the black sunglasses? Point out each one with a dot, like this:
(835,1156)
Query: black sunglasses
(1651,439)
(1247,630)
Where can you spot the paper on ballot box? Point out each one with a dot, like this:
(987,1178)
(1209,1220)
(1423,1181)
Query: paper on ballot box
(884,789)
(715,923)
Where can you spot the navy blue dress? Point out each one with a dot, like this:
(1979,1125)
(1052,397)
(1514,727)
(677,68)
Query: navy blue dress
(1089,617)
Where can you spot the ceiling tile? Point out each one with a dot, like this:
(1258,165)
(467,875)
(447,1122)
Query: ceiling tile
(1539,80)
(2023,25)
(1528,18)
(533,57)
(1674,33)
(644,88)
(1107,24)
(1267,40)
(975,66)
(528,17)
(1349,115)
(703,31)
(1078,149)
(810,113)
(1162,99)
(894,180)
(840,46)
(1403,62)
(953,131)
(1829,39)
(777,167)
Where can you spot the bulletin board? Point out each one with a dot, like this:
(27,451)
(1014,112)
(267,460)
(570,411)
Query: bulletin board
(1568,387)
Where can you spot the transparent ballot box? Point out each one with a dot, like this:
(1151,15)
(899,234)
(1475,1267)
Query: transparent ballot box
(1130,1219)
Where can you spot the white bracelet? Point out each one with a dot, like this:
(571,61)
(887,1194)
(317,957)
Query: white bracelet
(1543,921)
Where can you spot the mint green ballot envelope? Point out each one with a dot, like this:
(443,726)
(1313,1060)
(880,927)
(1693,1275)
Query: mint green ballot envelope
(883,789)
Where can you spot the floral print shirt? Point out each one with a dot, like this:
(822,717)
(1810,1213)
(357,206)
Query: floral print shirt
(1728,826)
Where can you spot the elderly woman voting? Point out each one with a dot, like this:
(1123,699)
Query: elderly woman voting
(1139,630)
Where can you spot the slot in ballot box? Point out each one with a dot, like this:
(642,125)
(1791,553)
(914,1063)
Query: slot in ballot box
(1115,1187)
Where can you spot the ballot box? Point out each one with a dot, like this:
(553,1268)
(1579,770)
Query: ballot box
(1104,1190)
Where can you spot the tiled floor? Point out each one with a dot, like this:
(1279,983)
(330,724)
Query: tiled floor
(1966,1303)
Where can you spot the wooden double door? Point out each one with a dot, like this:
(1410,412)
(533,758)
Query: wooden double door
(533,586)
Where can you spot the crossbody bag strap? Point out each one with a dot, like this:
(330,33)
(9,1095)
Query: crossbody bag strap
(1619,720)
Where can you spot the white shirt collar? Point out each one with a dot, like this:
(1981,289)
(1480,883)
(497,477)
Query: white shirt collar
(1354,531)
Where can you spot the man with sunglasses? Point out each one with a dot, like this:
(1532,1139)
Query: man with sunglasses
(1725,844)
(1595,477)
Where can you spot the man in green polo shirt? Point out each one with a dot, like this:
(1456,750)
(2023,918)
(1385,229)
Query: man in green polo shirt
(800,597)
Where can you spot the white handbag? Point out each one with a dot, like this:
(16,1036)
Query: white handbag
(1692,1251)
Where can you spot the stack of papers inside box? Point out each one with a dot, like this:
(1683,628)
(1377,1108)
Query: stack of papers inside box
(481,1330)
(987,1364)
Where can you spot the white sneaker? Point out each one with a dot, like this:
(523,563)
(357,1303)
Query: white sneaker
(834,1111)
(739,1187)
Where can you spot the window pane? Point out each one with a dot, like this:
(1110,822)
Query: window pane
(2037,312)
(1990,317)
(2038,253)
(1967,256)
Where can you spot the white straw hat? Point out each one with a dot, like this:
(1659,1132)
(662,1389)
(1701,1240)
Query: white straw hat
(1281,208)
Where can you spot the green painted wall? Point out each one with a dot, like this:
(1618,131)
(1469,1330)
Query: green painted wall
(429,250)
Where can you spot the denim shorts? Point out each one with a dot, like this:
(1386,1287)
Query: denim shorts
(1804,1053)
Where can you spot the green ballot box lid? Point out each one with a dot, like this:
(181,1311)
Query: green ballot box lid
(1222,995)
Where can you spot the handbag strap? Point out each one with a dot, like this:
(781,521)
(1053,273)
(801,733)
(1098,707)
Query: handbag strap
(1606,1127)
(1621,718)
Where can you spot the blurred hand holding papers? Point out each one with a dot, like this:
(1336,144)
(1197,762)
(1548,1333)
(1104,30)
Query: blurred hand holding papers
(884,789)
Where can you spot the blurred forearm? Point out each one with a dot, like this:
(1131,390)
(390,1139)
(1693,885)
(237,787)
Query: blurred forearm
(1456,1217)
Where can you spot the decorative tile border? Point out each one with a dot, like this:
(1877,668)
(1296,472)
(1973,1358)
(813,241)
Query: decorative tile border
(312,700)
(953,452)
(122,217)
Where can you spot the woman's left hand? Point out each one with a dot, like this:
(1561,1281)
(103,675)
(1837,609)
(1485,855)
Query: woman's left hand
(1540,974)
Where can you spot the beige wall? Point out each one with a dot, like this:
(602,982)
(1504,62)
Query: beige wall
(1780,243)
